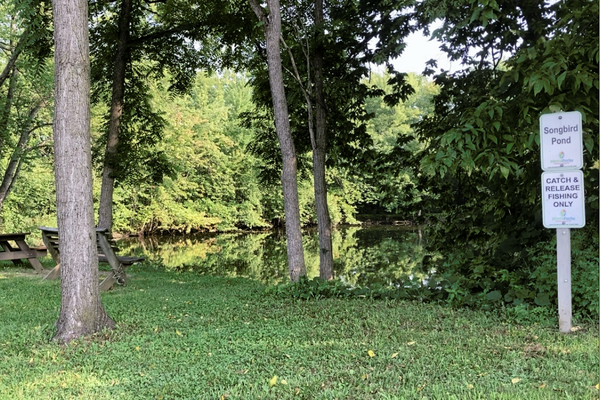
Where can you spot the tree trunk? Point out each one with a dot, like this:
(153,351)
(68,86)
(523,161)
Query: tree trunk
(272,26)
(105,215)
(319,154)
(10,64)
(5,112)
(81,312)
(12,169)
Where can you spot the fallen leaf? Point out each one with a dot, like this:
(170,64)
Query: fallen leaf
(283,382)
(515,380)
(469,386)
(543,385)
(598,386)
(179,333)
(394,355)
(273,381)
(411,343)
(371,353)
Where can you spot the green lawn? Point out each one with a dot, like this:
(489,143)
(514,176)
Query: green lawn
(183,335)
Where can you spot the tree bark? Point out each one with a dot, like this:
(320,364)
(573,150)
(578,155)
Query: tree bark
(319,154)
(272,26)
(105,210)
(81,312)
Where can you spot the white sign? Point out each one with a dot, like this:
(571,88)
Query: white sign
(561,140)
(563,204)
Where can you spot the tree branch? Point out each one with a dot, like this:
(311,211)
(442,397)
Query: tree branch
(259,11)
(13,58)
(304,91)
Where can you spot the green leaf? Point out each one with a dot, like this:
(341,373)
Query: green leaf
(475,15)
(561,79)
(494,295)
(537,87)
(489,14)
(542,299)
(588,141)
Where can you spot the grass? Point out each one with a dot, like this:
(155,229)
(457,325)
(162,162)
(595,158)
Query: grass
(187,336)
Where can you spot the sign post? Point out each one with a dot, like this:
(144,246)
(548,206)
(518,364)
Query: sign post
(563,205)
(563,275)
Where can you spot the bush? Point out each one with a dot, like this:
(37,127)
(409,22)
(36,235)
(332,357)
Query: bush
(584,270)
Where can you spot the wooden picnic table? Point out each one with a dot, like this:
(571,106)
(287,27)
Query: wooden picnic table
(107,249)
(14,248)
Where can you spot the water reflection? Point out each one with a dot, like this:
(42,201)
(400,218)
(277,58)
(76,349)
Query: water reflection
(363,256)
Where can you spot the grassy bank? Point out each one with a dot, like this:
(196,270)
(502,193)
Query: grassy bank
(182,335)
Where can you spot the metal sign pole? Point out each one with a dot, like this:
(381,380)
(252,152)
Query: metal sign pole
(563,258)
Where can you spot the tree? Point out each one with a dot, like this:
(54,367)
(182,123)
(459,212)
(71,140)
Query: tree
(24,105)
(81,312)
(389,186)
(325,92)
(481,157)
(271,21)
(320,151)
(116,110)
(134,41)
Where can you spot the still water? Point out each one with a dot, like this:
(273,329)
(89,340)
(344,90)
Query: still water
(362,255)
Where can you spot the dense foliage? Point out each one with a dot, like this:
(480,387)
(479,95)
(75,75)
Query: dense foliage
(480,158)
(214,183)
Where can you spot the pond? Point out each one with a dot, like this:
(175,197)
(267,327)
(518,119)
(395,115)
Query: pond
(362,255)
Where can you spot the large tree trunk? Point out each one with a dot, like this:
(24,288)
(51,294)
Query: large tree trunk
(105,211)
(319,154)
(81,312)
(272,26)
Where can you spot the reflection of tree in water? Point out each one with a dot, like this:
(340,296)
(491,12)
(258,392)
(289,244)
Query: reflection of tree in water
(381,255)
(362,256)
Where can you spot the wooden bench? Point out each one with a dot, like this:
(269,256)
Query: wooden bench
(107,249)
(14,248)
